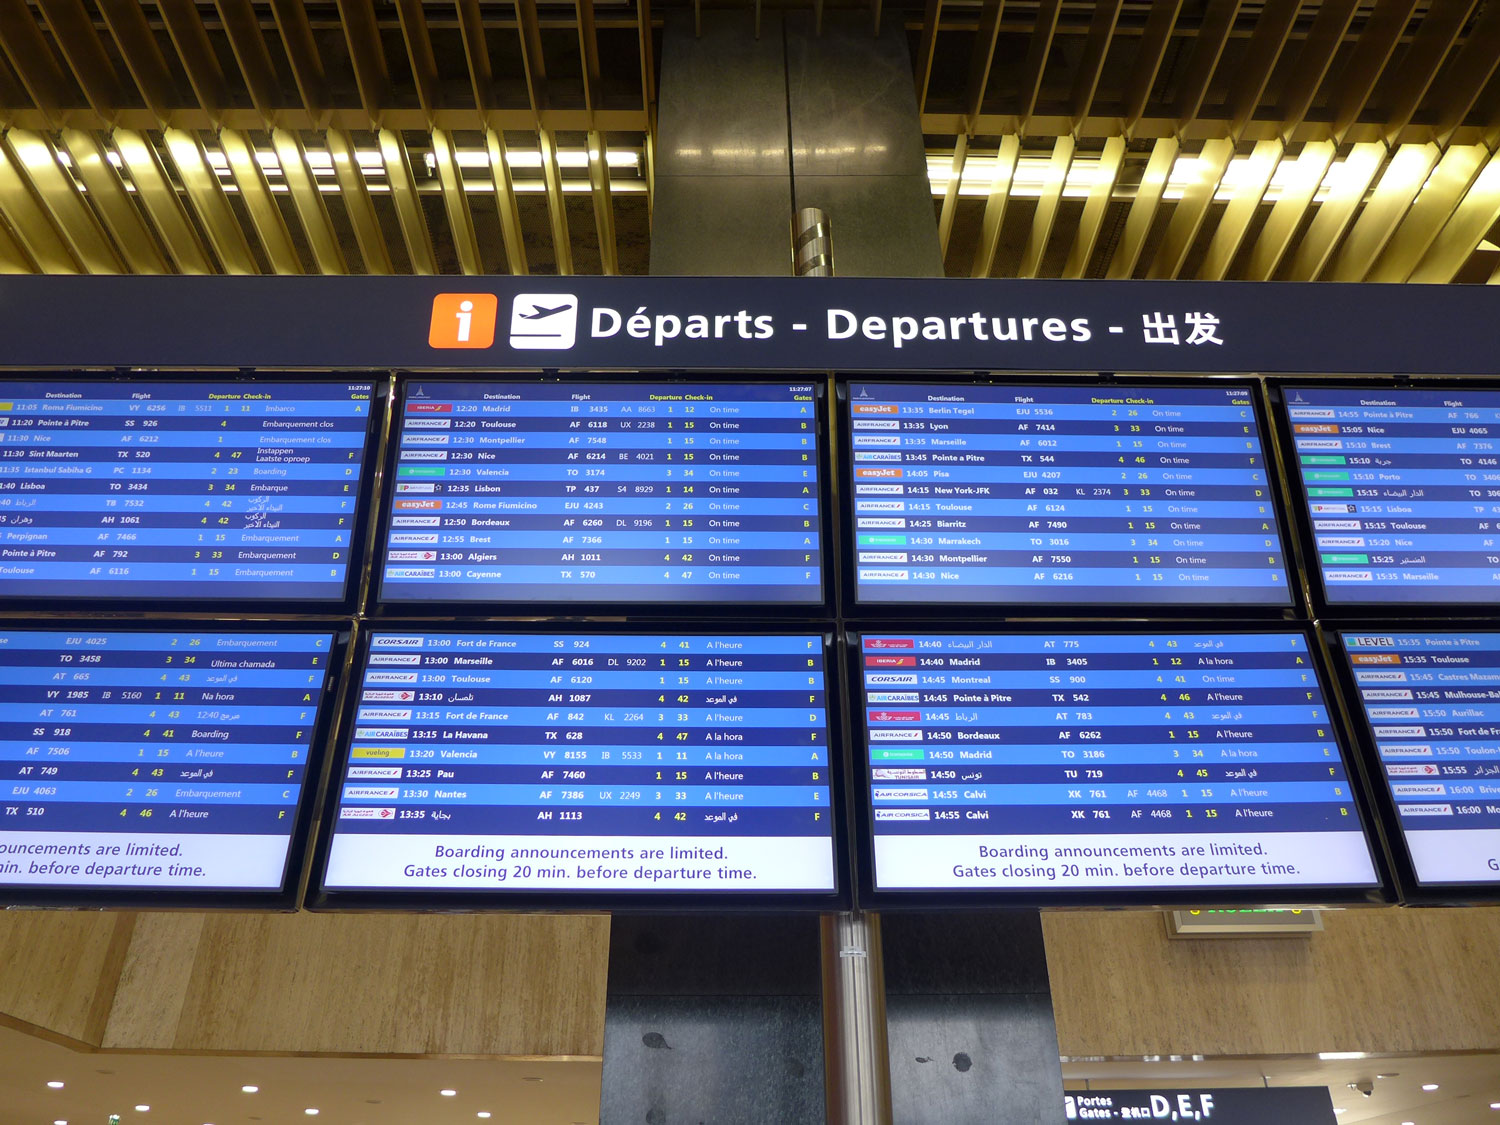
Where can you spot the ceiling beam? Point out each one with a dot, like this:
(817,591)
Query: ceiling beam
(588,49)
(1273,29)
(1091,64)
(255,193)
(408,206)
(358,204)
(1372,51)
(505,204)
(29,223)
(1307,174)
(1403,177)
(1335,213)
(1208,49)
(1306,74)
(476,53)
(242,28)
(112,203)
(456,204)
(1430,210)
(1143,207)
(206,197)
(127,23)
(367,57)
(58,194)
(307,201)
(557,207)
(926,49)
(1045,215)
(994,207)
(1472,219)
(1234,223)
(32,59)
(604,207)
(73,31)
(196,52)
(158,198)
(950,192)
(1468,74)
(1156,36)
(528,29)
(302,55)
(981,58)
(1037,53)
(1101,192)
(424,68)
(1192,208)
(1436,35)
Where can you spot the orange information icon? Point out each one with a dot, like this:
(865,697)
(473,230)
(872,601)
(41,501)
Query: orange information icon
(463,320)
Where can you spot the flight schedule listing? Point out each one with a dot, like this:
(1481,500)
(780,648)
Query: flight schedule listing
(606,492)
(1403,491)
(1432,704)
(244,491)
(581,762)
(1151,495)
(170,760)
(1105,761)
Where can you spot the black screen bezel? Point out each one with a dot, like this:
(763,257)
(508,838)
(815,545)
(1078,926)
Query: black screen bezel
(34,604)
(1412,889)
(319,897)
(1293,610)
(665,607)
(869,897)
(148,898)
(1297,501)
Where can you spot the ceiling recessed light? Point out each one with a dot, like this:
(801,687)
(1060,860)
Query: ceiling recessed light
(484,1113)
(249,1089)
(59,1121)
(530,1078)
(449,1093)
(310,1111)
(55,1085)
(143,1109)
(1429,1086)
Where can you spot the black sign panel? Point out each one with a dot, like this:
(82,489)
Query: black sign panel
(884,324)
(1286,1105)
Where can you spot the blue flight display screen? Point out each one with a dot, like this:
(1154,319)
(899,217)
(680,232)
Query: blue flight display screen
(179,491)
(1431,702)
(1105,761)
(172,761)
(1402,490)
(1150,495)
(588,492)
(557,763)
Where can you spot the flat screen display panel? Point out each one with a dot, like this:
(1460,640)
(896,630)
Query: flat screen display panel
(161,761)
(1402,489)
(1105,762)
(1431,704)
(600,492)
(499,764)
(180,491)
(1138,494)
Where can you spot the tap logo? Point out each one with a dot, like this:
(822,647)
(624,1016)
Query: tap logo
(544,320)
(462,320)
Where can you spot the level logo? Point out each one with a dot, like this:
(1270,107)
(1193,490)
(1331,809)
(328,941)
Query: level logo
(544,320)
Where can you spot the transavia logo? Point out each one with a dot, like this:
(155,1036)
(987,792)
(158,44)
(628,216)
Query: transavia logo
(463,320)
(544,320)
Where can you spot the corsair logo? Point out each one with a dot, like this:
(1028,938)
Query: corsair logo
(544,320)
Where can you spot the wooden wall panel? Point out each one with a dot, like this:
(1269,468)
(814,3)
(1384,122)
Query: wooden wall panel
(365,984)
(58,970)
(1374,980)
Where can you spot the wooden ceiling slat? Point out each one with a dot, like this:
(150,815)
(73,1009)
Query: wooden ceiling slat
(1091,65)
(1313,60)
(419,54)
(307,201)
(1101,191)
(1249,190)
(505,204)
(57,192)
(950,192)
(456,204)
(127,23)
(1208,49)
(1045,216)
(206,197)
(1431,209)
(1287,212)
(1192,209)
(1403,177)
(1267,42)
(1156,37)
(604,206)
(1437,34)
(557,211)
(302,54)
(358,204)
(994,207)
(190,39)
(32,58)
(1472,219)
(1143,209)
(255,193)
(981,58)
(1037,53)
(112,203)
(1334,214)
(242,28)
(73,31)
(158,199)
(408,207)
(1372,51)
(367,57)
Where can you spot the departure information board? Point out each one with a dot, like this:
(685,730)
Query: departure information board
(1402,488)
(598,763)
(1431,702)
(1105,761)
(600,492)
(165,760)
(1128,494)
(179,491)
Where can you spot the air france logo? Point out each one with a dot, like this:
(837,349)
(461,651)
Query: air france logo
(462,320)
(543,320)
